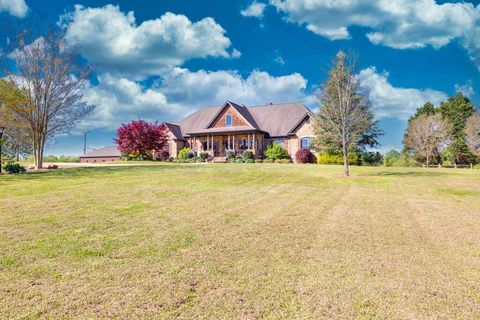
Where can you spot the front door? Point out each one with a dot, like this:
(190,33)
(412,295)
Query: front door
(216,149)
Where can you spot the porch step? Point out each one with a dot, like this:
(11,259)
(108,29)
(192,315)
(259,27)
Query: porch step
(219,160)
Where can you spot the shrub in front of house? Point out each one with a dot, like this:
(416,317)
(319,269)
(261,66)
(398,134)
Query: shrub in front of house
(163,155)
(186,153)
(336,159)
(247,154)
(204,156)
(14,168)
(276,152)
(230,155)
(258,161)
(283,161)
(239,160)
(304,156)
(249,161)
(268,161)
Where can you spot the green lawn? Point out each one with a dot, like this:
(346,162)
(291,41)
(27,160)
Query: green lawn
(240,241)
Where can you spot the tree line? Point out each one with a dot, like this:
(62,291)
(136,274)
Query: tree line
(41,97)
(345,126)
(448,134)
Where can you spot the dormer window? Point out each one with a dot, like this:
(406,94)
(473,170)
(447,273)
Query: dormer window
(228,120)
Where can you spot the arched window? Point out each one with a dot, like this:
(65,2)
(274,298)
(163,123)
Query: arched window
(228,120)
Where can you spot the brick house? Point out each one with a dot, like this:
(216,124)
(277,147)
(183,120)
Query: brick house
(236,128)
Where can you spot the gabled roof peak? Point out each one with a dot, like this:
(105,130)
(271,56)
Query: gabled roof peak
(241,109)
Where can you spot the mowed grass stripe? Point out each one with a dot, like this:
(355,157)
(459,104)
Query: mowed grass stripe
(240,241)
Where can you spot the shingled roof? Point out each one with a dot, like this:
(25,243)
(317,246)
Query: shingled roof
(277,120)
(102,153)
(175,130)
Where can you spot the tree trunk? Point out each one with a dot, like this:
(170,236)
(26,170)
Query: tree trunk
(428,161)
(35,154)
(346,170)
(38,153)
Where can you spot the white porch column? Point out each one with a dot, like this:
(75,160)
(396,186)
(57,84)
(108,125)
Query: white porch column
(254,145)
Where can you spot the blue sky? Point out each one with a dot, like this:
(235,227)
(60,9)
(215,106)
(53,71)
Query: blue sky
(160,60)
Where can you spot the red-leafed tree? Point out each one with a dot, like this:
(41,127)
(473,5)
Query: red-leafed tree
(137,139)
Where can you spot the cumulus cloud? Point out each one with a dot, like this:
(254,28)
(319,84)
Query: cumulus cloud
(397,24)
(466,89)
(17,8)
(181,91)
(113,41)
(394,102)
(255,9)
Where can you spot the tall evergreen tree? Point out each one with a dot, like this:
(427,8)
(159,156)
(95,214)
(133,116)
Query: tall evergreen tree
(427,109)
(456,110)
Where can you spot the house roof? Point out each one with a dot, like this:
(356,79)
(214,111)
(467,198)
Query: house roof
(175,130)
(102,152)
(224,130)
(242,110)
(277,120)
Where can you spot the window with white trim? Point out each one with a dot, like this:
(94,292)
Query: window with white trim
(228,120)
(306,143)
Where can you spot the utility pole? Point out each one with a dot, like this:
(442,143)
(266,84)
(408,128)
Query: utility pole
(85,142)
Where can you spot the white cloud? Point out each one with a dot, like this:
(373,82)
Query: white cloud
(202,87)
(394,102)
(398,24)
(113,41)
(279,59)
(181,91)
(17,8)
(255,9)
(466,89)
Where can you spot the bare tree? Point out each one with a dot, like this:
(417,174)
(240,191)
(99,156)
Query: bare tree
(472,134)
(427,135)
(52,79)
(345,115)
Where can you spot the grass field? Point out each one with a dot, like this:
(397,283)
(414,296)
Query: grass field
(240,241)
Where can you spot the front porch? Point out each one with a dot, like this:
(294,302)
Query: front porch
(221,145)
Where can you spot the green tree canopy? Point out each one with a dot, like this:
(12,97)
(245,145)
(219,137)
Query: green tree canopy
(427,109)
(456,110)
